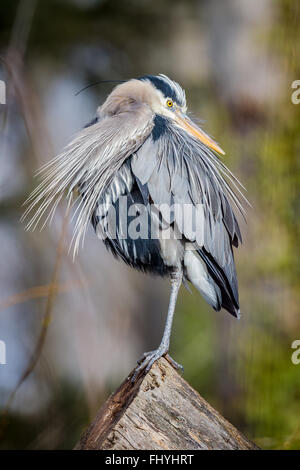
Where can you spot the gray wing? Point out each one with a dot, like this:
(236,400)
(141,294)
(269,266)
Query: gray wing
(112,220)
(176,168)
(88,165)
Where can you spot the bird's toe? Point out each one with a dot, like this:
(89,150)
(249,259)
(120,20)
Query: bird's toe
(148,358)
(175,364)
(147,361)
(144,355)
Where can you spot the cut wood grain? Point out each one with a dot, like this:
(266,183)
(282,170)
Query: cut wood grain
(161,411)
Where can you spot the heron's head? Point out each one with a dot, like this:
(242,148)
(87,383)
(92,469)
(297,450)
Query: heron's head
(165,98)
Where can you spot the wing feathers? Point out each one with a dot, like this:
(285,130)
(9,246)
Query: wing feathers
(177,165)
(89,164)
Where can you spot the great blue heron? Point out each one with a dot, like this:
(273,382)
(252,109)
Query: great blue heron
(142,144)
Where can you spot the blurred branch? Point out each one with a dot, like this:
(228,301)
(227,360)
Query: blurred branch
(22,26)
(42,291)
(45,321)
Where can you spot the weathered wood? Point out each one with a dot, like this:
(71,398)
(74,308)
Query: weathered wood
(160,411)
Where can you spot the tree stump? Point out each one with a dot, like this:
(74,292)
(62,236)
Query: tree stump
(160,411)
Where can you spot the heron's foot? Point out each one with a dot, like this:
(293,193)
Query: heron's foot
(144,355)
(147,360)
(175,364)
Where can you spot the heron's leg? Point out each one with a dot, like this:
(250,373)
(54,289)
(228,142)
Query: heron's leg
(149,358)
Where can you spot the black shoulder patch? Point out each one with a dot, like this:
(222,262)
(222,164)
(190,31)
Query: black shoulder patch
(160,127)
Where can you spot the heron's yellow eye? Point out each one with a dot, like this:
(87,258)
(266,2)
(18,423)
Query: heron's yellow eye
(170,103)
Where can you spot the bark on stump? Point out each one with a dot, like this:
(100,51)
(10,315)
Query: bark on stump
(161,411)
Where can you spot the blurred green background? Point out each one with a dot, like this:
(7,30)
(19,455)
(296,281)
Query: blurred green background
(74,344)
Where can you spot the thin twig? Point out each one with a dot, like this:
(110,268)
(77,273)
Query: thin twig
(45,323)
(41,291)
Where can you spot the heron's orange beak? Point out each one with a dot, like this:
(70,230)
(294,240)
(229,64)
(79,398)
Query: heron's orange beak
(191,128)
